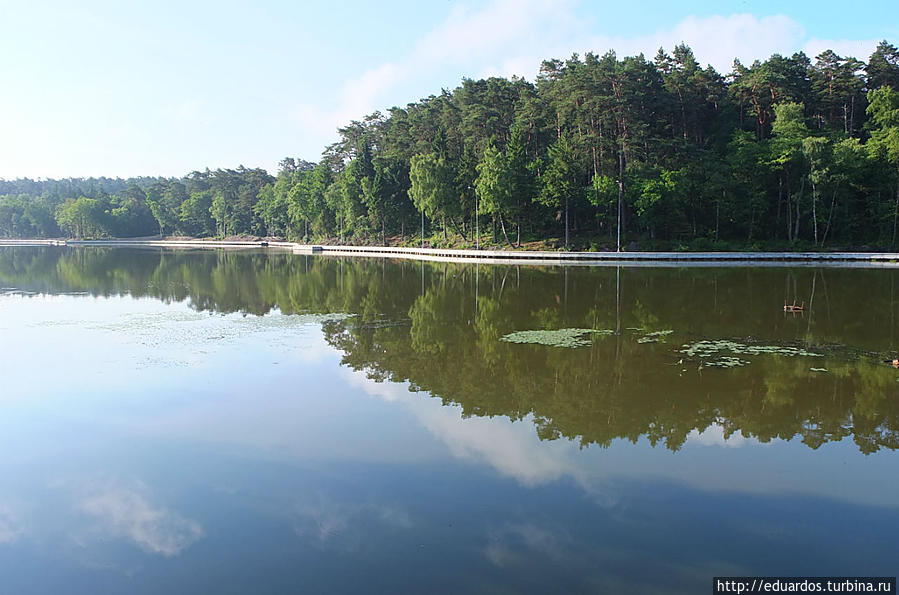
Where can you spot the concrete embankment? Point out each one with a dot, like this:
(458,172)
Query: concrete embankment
(883,259)
(241,244)
(8,242)
(630,258)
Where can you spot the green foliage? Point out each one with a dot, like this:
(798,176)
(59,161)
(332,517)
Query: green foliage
(883,67)
(559,180)
(195,217)
(307,205)
(23,217)
(81,217)
(660,201)
(494,182)
(783,152)
(431,188)
(883,109)
(565,337)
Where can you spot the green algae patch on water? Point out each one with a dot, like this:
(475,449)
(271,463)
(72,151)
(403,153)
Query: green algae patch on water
(564,337)
(654,336)
(703,349)
(382,323)
(724,353)
(725,361)
(320,318)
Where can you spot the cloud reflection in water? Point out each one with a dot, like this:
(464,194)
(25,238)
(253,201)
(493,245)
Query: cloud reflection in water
(126,512)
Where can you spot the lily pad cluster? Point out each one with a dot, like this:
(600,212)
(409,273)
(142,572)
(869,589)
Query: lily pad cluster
(331,317)
(725,361)
(564,337)
(383,323)
(724,354)
(654,336)
(704,349)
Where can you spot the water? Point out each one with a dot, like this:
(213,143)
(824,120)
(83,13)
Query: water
(261,422)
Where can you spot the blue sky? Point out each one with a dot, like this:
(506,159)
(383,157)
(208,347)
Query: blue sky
(163,88)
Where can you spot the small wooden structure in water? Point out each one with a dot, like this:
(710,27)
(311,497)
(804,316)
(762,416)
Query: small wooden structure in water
(794,307)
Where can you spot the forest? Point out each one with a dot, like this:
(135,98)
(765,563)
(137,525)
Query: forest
(599,153)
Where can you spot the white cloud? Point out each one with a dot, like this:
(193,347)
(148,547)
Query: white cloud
(860,49)
(717,40)
(517,542)
(714,436)
(325,520)
(10,526)
(499,26)
(330,522)
(463,39)
(354,101)
(508,37)
(126,512)
(511,447)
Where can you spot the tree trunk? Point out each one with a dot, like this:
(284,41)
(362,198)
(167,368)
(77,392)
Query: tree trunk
(456,227)
(566,220)
(814,210)
(833,201)
(751,221)
(600,150)
(895,214)
(789,214)
(780,197)
(503,225)
(717,211)
(620,195)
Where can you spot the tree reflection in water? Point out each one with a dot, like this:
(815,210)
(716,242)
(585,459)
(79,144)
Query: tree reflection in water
(439,327)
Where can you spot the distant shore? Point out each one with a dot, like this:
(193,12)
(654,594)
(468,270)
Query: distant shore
(883,259)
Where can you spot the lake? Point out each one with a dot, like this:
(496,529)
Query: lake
(252,421)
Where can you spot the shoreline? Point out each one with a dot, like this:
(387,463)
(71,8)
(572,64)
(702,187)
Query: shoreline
(499,256)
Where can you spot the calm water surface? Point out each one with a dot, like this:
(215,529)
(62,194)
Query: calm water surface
(187,422)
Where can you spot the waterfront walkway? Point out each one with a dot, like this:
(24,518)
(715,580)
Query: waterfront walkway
(501,256)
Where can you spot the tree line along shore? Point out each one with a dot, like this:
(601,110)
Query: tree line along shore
(600,152)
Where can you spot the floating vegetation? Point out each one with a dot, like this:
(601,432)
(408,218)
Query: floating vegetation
(725,361)
(383,323)
(565,337)
(654,336)
(330,317)
(725,354)
(706,349)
